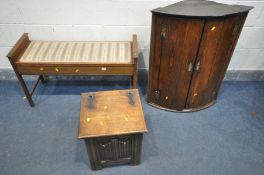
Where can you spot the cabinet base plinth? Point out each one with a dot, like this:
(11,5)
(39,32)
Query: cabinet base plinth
(185,110)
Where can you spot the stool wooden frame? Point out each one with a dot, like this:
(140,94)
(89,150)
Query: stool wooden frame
(67,68)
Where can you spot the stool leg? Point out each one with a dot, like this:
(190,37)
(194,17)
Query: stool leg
(135,74)
(42,79)
(22,83)
(25,89)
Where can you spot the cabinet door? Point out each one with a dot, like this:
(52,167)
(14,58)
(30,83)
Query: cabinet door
(173,53)
(216,48)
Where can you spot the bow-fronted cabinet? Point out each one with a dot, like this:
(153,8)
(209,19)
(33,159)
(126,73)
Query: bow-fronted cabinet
(191,46)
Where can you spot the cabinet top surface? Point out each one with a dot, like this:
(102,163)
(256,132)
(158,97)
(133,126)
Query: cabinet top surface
(109,113)
(201,8)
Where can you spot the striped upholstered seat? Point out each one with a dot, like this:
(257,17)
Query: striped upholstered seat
(77,52)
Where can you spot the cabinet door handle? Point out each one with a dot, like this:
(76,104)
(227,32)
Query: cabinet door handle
(197,67)
(190,67)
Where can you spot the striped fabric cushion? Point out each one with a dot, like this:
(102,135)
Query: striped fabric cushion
(77,52)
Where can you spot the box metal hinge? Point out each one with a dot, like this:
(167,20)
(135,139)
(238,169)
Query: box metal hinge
(130,95)
(91,101)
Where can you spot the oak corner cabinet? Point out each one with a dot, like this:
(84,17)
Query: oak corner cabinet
(192,43)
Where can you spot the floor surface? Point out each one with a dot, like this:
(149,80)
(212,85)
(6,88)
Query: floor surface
(225,139)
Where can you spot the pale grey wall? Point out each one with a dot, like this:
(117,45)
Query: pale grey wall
(112,20)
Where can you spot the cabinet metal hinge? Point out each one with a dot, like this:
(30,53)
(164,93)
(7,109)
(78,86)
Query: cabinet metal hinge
(198,65)
(190,67)
(157,95)
(163,31)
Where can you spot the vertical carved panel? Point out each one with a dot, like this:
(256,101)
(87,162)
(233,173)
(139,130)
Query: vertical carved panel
(124,148)
(114,149)
(106,151)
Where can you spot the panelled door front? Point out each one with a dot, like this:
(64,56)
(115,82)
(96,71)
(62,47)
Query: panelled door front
(116,149)
(216,48)
(177,43)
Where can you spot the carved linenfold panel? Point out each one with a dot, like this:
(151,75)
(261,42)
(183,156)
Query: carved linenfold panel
(114,149)
(106,151)
(124,149)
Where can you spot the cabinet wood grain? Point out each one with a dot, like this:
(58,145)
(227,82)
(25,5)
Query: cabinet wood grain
(190,51)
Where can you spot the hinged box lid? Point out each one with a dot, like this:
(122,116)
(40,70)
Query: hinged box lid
(109,113)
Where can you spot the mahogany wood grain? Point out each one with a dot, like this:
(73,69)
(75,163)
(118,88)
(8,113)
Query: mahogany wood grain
(73,70)
(19,48)
(68,68)
(13,55)
(134,46)
(135,60)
